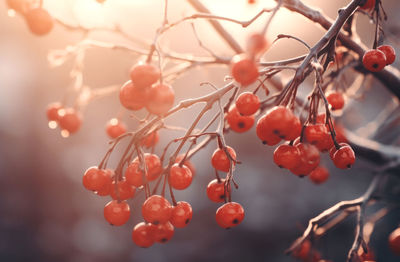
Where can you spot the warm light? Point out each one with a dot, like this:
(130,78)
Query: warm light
(53,124)
(11,12)
(64,133)
(61,112)
(114,121)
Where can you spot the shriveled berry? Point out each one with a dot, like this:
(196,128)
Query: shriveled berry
(238,122)
(156,210)
(247,103)
(117,213)
(220,159)
(229,215)
(143,235)
(181,214)
(244,70)
(180,177)
(374,60)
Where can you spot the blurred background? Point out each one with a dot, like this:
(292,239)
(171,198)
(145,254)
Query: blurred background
(45,213)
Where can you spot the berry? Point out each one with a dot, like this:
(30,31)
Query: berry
(374,60)
(95,179)
(186,163)
(52,111)
(244,70)
(315,133)
(124,189)
(17,5)
(216,190)
(134,175)
(344,157)
(303,251)
(106,190)
(247,103)
(70,120)
(229,215)
(156,210)
(144,75)
(133,97)
(336,100)
(115,128)
(161,100)
(295,131)
(319,175)
(39,21)
(256,44)
(389,52)
(117,213)
(237,122)
(181,214)
(150,140)
(281,120)
(143,235)
(265,133)
(163,232)
(394,241)
(309,159)
(180,177)
(287,156)
(369,5)
(221,161)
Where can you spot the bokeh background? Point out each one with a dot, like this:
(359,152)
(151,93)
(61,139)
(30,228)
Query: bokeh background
(45,213)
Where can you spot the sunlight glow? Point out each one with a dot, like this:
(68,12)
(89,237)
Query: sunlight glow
(53,124)
(11,12)
(64,133)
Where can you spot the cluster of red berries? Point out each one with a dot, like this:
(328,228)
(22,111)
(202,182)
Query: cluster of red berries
(394,241)
(375,60)
(68,119)
(142,91)
(369,5)
(39,21)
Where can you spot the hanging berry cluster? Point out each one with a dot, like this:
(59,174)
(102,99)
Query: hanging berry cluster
(301,129)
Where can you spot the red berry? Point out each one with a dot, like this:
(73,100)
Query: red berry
(17,5)
(344,157)
(156,210)
(374,60)
(237,122)
(333,149)
(281,120)
(144,75)
(394,241)
(244,70)
(163,232)
(325,143)
(124,189)
(315,133)
(117,213)
(336,100)
(303,251)
(256,44)
(161,99)
(133,97)
(95,179)
(134,175)
(247,103)
(369,5)
(265,132)
(39,21)
(115,128)
(221,161)
(150,140)
(287,156)
(180,177)
(309,159)
(70,120)
(181,214)
(186,163)
(216,190)
(389,52)
(52,111)
(296,129)
(143,235)
(319,175)
(369,256)
(229,215)
(106,190)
